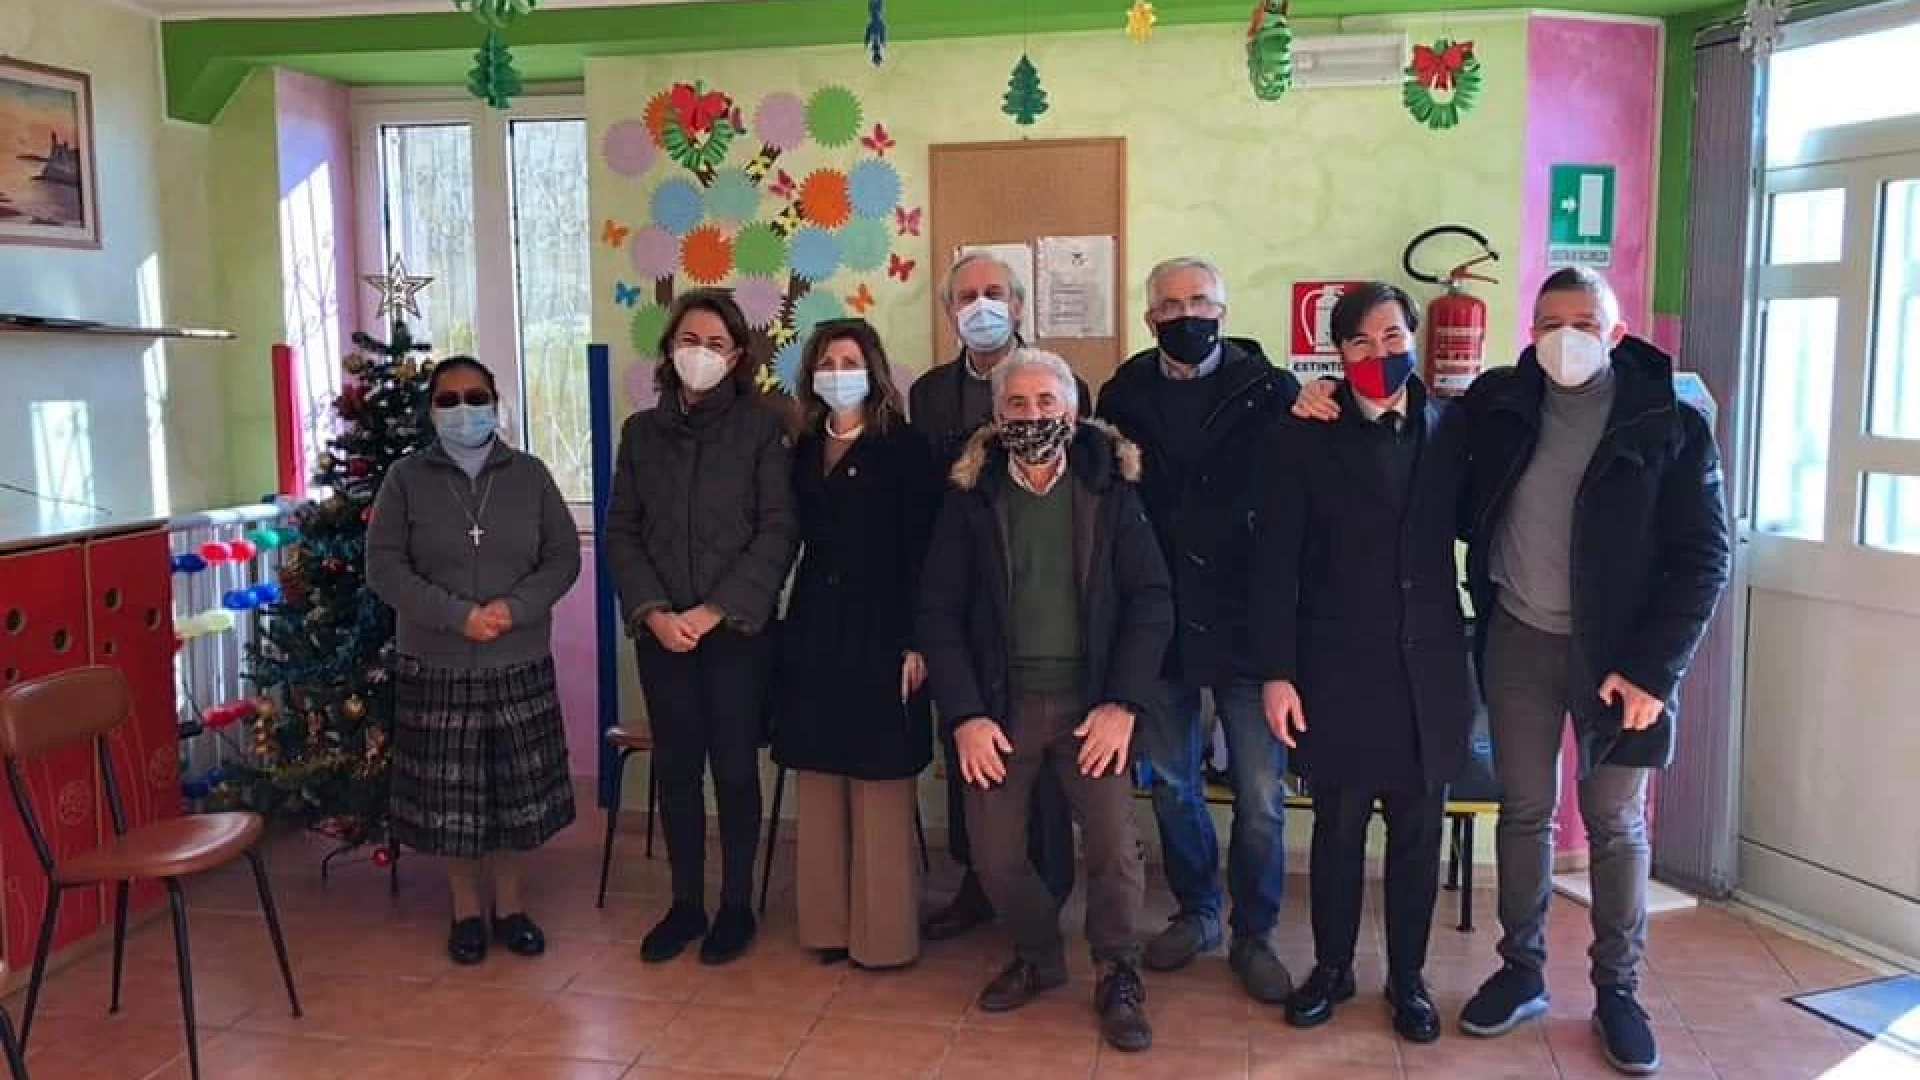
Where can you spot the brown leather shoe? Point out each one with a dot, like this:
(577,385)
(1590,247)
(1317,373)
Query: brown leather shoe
(1020,983)
(1121,1000)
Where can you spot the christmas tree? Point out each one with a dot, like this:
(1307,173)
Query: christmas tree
(1025,100)
(324,660)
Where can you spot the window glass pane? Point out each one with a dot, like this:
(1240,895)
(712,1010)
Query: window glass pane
(1849,81)
(426,173)
(1796,403)
(1892,517)
(554,290)
(1896,332)
(1805,226)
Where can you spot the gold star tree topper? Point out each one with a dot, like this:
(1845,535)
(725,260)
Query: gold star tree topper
(1140,20)
(399,291)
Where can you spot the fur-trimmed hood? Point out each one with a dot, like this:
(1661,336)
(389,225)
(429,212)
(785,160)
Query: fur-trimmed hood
(1099,456)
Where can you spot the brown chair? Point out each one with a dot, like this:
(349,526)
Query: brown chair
(44,715)
(629,741)
(15,1056)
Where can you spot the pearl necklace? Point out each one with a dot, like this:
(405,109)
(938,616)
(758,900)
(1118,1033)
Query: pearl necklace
(843,436)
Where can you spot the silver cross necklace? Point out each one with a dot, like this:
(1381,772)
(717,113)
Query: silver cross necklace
(473,516)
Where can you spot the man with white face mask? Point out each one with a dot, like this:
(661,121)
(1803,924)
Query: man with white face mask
(947,405)
(1597,551)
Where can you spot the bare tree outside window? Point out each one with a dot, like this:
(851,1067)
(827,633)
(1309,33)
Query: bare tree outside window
(554,289)
(427,173)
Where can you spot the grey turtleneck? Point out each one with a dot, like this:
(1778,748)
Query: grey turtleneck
(470,459)
(1533,545)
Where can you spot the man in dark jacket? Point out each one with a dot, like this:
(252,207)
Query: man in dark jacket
(1599,551)
(947,405)
(1359,637)
(1045,610)
(1201,408)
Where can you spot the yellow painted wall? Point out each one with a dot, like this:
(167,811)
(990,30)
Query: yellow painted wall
(1322,184)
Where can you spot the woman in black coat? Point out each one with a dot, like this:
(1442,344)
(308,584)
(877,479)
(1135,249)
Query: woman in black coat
(852,720)
(699,535)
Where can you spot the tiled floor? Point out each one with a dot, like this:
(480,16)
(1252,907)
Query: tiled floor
(383,1002)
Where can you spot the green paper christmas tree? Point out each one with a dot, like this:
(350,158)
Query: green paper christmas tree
(1025,99)
(1270,50)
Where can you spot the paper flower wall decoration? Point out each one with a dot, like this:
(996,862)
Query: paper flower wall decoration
(1443,83)
(1140,20)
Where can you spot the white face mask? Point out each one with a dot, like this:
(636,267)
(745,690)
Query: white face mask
(700,368)
(840,389)
(1571,358)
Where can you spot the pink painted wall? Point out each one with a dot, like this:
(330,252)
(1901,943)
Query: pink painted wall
(576,652)
(1593,98)
(314,128)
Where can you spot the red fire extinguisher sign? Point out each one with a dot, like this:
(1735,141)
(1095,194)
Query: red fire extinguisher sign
(1313,351)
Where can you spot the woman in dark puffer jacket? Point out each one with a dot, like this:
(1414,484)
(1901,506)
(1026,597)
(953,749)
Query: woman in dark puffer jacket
(700,533)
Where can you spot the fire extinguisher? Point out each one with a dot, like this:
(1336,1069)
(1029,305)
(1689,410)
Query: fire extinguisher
(1457,320)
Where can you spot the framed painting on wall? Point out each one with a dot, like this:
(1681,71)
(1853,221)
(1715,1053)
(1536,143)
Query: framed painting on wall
(48,189)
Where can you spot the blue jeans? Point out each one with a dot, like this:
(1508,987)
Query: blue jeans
(1171,751)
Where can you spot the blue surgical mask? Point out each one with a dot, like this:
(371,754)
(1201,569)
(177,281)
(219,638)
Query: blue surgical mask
(840,389)
(985,324)
(466,425)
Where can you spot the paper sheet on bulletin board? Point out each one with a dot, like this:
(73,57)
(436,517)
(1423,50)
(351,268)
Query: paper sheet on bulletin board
(1020,257)
(1075,297)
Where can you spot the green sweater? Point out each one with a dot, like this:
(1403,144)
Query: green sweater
(1046,592)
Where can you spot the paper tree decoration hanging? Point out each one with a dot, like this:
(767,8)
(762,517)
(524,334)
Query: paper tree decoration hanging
(1140,20)
(493,78)
(1760,27)
(877,30)
(1025,99)
(1443,83)
(1270,50)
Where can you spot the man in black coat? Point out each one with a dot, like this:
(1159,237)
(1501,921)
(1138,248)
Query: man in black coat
(1599,552)
(1045,610)
(1201,407)
(947,405)
(1359,638)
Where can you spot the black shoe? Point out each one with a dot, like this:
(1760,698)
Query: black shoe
(1121,1000)
(1020,983)
(967,910)
(1625,1035)
(1414,1016)
(467,943)
(670,937)
(831,957)
(732,934)
(1312,1004)
(1513,996)
(519,934)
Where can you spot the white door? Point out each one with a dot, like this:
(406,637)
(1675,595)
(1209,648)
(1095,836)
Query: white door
(1830,819)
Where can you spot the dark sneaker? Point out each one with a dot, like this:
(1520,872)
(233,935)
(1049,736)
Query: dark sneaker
(519,934)
(467,942)
(1312,1004)
(1121,1000)
(732,934)
(1185,937)
(1414,1017)
(1625,1035)
(1265,978)
(1512,997)
(967,910)
(670,937)
(1020,983)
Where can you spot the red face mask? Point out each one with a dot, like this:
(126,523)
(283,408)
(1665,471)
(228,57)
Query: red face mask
(1379,378)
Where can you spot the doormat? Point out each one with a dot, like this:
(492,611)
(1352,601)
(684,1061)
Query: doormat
(1886,1010)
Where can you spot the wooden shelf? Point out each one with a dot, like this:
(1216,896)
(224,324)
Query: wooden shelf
(26,324)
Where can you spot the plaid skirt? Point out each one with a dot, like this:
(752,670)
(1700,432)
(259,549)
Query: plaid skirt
(479,759)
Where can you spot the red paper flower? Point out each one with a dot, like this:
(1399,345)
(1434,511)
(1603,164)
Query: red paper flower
(697,110)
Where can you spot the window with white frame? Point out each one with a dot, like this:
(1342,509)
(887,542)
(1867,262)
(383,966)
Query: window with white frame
(492,205)
(1838,407)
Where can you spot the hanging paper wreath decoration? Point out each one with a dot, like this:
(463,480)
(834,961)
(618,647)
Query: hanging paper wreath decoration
(1443,83)
(1270,50)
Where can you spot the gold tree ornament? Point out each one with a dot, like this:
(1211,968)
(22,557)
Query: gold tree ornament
(399,291)
(355,707)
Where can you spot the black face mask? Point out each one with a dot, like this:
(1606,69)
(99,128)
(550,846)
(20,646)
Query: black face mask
(1188,339)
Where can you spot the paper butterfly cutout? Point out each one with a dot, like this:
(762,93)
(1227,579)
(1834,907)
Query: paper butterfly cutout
(782,186)
(862,300)
(625,295)
(898,267)
(613,234)
(879,142)
(907,220)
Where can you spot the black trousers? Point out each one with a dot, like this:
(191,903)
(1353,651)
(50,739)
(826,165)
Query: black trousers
(1049,827)
(1337,880)
(708,708)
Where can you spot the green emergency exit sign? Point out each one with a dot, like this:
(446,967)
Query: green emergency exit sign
(1580,231)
